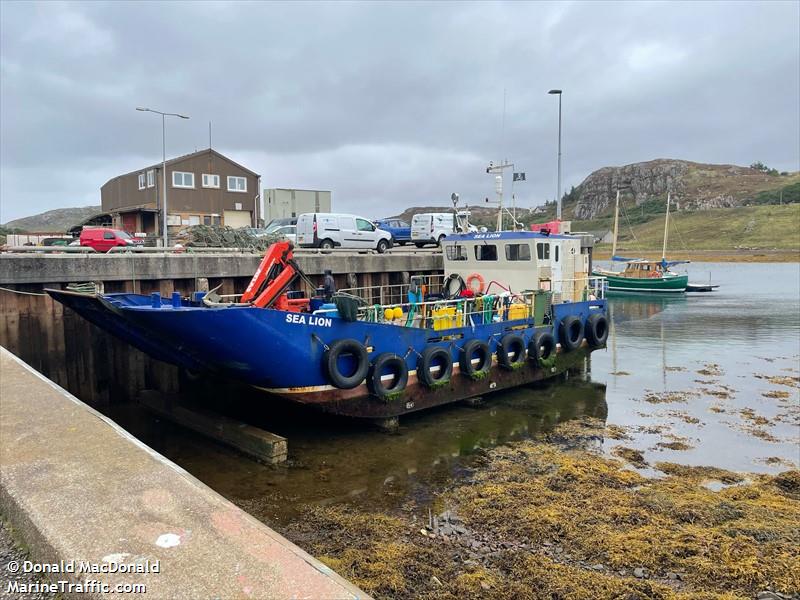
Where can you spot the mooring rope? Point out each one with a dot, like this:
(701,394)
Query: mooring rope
(21,292)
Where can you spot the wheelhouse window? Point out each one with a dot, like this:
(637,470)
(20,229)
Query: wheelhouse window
(237,184)
(455,252)
(151,178)
(181,179)
(543,251)
(518,252)
(556,259)
(210,181)
(486,252)
(141,181)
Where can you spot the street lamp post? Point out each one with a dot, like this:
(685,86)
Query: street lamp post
(558,190)
(163,162)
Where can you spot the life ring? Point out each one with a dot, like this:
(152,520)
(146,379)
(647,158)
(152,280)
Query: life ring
(435,356)
(481,283)
(596,330)
(394,364)
(330,363)
(570,333)
(511,352)
(484,356)
(541,348)
(654,274)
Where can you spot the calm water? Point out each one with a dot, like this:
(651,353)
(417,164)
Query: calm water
(750,327)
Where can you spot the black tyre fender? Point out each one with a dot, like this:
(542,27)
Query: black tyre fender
(475,371)
(541,347)
(511,344)
(570,333)
(330,364)
(429,356)
(397,365)
(596,329)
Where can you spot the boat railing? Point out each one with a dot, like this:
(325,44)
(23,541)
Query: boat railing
(436,313)
(396,294)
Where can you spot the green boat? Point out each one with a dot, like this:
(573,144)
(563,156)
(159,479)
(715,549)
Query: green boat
(645,276)
(640,275)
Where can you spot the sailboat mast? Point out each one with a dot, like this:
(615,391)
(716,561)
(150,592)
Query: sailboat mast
(666,231)
(616,228)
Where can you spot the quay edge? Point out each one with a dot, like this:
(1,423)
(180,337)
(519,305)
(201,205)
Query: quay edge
(75,486)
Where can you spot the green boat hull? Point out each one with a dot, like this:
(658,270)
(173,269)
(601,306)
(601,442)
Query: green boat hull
(675,284)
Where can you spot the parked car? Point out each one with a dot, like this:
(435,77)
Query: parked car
(335,230)
(276,223)
(400,230)
(102,239)
(286,231)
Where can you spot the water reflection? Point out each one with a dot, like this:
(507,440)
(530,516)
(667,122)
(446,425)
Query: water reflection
(334,460)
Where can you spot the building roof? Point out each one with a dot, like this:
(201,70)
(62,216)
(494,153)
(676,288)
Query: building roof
(183,157)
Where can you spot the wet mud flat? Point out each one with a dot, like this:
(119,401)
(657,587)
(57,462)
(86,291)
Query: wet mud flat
(556,517)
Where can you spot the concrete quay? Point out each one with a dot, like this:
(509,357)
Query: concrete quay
(76,487)
(35,268)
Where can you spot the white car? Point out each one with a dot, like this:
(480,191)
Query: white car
(336,230)
(286,231)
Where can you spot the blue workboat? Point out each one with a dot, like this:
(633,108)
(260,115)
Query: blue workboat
(511,308)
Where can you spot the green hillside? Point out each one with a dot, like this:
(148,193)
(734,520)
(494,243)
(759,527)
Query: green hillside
(753,227)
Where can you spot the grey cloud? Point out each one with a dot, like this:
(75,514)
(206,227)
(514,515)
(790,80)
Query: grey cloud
(390,104)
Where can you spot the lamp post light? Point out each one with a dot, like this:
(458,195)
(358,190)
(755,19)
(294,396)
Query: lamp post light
(163,162)
(558,190)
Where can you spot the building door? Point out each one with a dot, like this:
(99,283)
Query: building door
(129,222)
(237,218)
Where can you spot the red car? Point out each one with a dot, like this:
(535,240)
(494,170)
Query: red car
(102,239)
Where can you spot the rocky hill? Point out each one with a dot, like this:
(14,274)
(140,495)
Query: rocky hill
(478,214)
(693,186)
(52,221)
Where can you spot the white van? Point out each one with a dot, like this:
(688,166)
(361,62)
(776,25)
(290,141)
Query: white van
(431,228)
(334,230)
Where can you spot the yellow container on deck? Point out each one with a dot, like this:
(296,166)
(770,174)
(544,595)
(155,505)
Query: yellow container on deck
(517,311)
(444,318)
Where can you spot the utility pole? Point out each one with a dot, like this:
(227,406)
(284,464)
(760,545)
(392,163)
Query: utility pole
(558,187)
(163,162)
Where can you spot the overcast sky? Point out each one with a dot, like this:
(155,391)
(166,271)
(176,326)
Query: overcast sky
(390,104)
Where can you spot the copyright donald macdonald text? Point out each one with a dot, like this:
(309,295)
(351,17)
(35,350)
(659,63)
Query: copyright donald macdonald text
(77,567)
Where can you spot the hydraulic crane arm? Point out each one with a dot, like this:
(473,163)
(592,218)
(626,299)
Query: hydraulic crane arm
(276,272)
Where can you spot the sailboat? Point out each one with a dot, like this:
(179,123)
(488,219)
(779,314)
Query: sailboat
(641,275)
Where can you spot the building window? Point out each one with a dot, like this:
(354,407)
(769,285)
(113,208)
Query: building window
(194,219)
(141,181)
(151,178)
(518,252)
(181,179)
(237,184)
(486,252)
(210,181)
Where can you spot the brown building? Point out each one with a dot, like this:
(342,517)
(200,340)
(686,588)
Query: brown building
(202,188)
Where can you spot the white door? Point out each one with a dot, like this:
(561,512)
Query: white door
(556,261)
(349,233)
(367,234)
(237,218)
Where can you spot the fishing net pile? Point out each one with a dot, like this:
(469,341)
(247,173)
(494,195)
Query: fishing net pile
(217,236)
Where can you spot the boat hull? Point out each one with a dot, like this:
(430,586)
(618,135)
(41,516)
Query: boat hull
(651,285)
(282,352)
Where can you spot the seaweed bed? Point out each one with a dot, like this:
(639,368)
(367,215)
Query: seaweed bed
(554,518)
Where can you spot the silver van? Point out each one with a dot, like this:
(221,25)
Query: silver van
(337,230)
